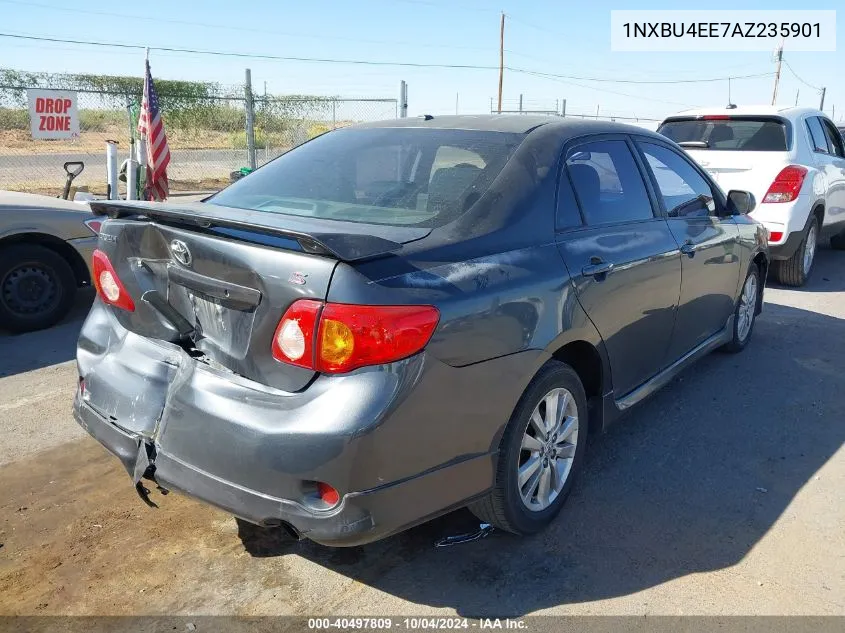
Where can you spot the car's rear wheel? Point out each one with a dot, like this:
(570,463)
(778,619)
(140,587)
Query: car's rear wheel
(540,453)
(37,287)
(796,270)
(745,311)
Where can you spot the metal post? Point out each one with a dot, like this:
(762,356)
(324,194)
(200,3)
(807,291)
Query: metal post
(131,173)
(797,92)
(403,100)
(111,170)
(563,109)
(457,97)
(491,105)
(334,113)
(597,112)
(249,105)
(520,103)
(821,105)
(142,167)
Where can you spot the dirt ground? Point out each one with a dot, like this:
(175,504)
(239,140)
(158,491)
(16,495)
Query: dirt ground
(17,142)
(722,495)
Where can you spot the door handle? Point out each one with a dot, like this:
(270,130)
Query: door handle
(596,268)
(688,249)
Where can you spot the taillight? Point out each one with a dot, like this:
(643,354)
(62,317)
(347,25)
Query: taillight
(716,117)
(786,185)
(775,236)
(94,226)
(293,341)
(339,337)
(108,284)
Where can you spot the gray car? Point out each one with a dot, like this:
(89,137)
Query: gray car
(403,318)
(45,255)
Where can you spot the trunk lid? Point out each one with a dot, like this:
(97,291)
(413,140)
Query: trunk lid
(745,170)
(216,281)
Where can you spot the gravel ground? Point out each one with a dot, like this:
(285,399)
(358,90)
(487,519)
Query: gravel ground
(721,495)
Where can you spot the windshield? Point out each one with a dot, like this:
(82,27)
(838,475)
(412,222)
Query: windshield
(394,176)
(748,134)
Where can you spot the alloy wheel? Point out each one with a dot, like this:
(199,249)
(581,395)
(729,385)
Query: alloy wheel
(810,249)
(747,307)
(548,449)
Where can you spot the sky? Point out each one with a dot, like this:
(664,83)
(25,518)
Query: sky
(560,37)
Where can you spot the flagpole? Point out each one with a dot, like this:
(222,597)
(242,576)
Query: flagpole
(142,142)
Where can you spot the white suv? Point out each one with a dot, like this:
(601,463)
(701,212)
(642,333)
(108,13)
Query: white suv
(791,159)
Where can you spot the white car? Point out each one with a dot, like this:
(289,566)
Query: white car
(791,159)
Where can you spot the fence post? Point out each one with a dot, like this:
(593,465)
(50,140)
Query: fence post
(403,100)
(334,113)
(563,109)
(250,119)
(520,103)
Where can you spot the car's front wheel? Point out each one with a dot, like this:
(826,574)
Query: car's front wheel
(796,270)
(37,287)
(540,453)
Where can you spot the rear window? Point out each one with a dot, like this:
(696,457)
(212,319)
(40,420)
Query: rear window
(734,133)
(393,176)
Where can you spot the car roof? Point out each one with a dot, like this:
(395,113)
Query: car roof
(514,123)
(787,112)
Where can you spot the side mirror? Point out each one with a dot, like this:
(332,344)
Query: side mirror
(741,202)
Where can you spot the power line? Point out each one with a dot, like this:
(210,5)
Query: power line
(246,55)
(367,62)
(229,27)
(638,81)
(534,26)
(614,92)
(809,85)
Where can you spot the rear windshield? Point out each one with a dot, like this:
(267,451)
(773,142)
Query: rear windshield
(393,176)
(734,134)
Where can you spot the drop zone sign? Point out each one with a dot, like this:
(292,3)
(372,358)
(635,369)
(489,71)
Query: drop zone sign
(53,114)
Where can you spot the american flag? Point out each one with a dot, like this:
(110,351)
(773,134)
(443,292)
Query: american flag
(158,153)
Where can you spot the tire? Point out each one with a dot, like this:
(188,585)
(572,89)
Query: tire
(745,312)
(504,507)
(793,272)
(37,287)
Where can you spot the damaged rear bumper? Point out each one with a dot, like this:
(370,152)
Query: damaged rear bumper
(385,438)
(361,517)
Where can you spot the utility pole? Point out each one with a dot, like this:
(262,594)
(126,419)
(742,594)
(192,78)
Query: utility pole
(457,96)
(729,91)
(777,74)
(403,100)
(821,105)
(501,58)
(797,92)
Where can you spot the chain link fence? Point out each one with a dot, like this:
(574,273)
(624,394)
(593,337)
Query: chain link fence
(205,124)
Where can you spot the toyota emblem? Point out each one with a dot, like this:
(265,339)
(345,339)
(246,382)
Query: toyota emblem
(180,252)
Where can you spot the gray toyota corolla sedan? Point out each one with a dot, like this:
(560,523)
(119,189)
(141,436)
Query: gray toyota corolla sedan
(398,319)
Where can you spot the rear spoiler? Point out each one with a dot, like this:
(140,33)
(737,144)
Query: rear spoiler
(311,236)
